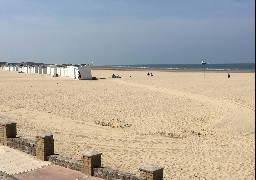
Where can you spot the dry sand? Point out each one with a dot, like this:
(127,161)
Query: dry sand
(195,128)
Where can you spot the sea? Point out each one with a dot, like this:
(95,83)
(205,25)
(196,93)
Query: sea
(210,67)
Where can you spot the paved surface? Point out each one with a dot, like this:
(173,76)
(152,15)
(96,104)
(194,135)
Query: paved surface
(27,167)
(54,172)
(13,161)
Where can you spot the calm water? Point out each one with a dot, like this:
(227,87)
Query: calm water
(216,67)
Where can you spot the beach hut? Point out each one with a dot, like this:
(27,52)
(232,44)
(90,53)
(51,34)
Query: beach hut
(76,72)
(48,70)
(53,70)
(58,70)
(16,68)
(62,71)
(39,70)
(32,69)
(44,70)
(85,72)
(20,69)
(25,69)
(66,71)
(11,68)
(29,69)
(71,71)
(7,68)
(36,69)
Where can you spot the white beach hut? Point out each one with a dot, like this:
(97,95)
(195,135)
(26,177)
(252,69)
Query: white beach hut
(32,69)
(85,72)
(66,71)
(25,69)
(11,68)
(76,72)
(16,68)
(71,71)
(53,70)
(62,71)
(29,69)
(7,68)
(59,70)
(49,70)
(20,69)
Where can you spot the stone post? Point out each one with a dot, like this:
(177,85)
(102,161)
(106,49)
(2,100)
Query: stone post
(151,172)
(90,160)
(7,130)
(44,146)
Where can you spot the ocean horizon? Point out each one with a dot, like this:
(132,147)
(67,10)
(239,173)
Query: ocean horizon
(211,67)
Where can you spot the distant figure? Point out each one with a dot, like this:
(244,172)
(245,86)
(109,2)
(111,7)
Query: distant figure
(79,75)
(151,74)
(148,74)
(228,75)
(113,76)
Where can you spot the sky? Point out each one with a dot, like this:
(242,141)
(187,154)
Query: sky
(123,32)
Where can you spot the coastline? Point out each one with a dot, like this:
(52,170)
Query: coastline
(168,70)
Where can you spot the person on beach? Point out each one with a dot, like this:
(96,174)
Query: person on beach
(228,75)
(148,74)
(79,75)
(151,74)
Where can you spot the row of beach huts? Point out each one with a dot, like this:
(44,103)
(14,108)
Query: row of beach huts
(80,72)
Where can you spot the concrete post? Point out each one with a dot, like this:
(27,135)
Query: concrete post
(151,172)
(7,130)
(90,160)
(44,146)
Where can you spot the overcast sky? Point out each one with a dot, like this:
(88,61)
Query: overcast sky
(119,32)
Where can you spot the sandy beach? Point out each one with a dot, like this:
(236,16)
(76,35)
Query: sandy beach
(194,127)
